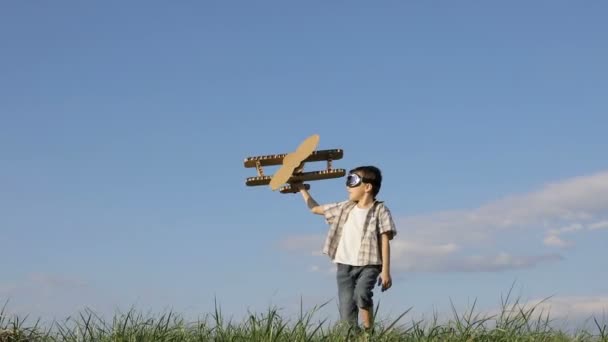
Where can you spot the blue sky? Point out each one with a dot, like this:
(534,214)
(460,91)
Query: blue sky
(123,130)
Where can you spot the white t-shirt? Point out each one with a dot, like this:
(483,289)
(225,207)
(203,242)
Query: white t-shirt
(352,233)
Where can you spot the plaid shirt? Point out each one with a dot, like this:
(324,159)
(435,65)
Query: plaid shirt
(378,221)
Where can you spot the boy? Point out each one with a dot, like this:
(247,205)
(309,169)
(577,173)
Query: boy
(358,242)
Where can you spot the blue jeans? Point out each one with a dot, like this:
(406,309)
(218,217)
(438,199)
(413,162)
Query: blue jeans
(355,289)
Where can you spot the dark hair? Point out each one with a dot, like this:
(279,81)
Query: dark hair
(371,175)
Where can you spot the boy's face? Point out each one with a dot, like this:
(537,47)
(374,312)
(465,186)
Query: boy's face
(356,193)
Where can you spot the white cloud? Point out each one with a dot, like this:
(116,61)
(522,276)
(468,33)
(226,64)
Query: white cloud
(553,235)
(314,268)
(498,262)
(574,201)
(51,296)
(54,281)
(408,248)
(571,228)
(422,257)
(562,312)
(569,307)
(307,243)
(599,225)
(445,241)
(555,241)
(328,269)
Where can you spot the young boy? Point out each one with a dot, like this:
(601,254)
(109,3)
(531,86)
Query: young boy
(358,242)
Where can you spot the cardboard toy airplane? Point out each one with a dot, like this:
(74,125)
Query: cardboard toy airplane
(292,166)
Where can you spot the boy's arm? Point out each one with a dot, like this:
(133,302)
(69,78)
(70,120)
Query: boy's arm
(386,260)
(310,202)
(386,252)
(387,232)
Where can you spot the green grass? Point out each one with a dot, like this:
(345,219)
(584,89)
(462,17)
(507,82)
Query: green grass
(513,323)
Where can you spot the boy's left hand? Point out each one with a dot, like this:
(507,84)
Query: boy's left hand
(385,280)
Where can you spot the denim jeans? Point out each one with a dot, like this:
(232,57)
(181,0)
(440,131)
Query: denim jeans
(355,289)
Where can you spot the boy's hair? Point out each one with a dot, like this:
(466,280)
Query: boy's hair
(372,175)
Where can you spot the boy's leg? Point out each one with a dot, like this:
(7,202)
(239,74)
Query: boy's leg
(366,280)
(346,288)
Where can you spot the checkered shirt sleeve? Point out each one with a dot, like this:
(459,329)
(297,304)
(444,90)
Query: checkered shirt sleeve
(386,224)
(331,211)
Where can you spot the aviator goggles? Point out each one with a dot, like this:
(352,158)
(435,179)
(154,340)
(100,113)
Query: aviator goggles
(353,180)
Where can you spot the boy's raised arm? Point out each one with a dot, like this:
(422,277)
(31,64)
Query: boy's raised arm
(310,202)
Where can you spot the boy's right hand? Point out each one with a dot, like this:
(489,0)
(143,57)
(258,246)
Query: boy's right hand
(299,186)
